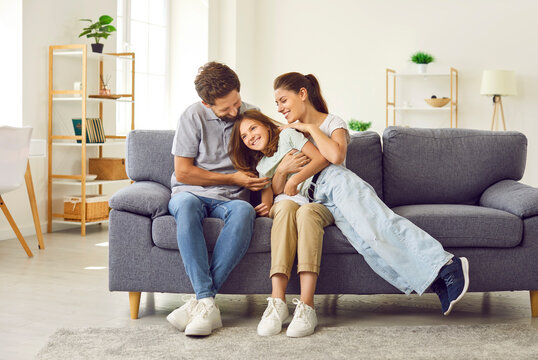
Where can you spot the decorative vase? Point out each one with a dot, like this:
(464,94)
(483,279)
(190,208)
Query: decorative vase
(97,48)
(422,68)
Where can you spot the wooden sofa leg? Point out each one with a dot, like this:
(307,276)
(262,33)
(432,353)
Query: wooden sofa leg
(134,303)
(534,302)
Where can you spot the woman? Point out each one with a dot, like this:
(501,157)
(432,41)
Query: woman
(298,98)
(409,260)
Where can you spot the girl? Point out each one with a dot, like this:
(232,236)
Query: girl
(300,231)
(298,225)
(396,249)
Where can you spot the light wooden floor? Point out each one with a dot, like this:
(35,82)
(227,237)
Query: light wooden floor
(66,285)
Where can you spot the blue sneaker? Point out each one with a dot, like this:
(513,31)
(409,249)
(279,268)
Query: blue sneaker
(456,278)
(439,287)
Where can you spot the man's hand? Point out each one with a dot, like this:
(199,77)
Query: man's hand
(250,181)
(291,187)
(293,162)
(262,209)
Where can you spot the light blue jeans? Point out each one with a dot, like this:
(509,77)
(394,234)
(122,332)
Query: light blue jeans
(189,211)
(395,248)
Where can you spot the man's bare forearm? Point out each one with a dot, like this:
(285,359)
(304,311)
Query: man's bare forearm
(198,176)
(187,173)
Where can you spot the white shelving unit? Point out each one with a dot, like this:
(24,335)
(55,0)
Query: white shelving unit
(68,143)
(391,104)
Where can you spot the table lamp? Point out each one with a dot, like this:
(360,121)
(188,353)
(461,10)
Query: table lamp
(498,83)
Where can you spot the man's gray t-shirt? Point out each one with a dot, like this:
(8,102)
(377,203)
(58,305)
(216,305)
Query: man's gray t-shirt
(201,135)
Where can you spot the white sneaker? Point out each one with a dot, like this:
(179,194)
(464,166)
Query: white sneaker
(304,320)
(273,317)
(206,318)
(180,317)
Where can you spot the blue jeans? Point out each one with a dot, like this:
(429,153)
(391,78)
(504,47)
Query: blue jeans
(189,211)
(395,248)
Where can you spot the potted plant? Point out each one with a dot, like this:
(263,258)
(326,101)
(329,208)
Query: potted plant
(97,30)
(357,125)
(422,59)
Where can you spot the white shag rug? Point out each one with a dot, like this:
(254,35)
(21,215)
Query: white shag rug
(498,341)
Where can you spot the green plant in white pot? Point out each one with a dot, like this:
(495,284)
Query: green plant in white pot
(422,59)
(97,30)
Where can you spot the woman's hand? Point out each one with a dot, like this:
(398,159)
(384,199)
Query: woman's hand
(302,127)
(291,187)
(292,163)
(262,209)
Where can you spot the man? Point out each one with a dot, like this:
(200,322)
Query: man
(205,184)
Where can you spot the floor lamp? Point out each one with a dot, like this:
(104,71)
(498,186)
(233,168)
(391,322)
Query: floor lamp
(498,83)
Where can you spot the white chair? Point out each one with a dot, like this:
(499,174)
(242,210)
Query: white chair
(14,149)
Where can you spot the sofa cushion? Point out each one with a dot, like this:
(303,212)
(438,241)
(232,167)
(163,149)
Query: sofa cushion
(164,235)
(513,197)
(146,198)
(465,225)
(364,158)
(149,156)
(448,166)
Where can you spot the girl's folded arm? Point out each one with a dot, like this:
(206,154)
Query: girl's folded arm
(317,163)
(278,182)
(267,202)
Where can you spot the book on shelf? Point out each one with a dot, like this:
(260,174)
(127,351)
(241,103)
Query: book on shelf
(95,132)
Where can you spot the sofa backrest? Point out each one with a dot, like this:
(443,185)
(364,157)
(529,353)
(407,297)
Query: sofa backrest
(451,166)
(149,156)
(365,159)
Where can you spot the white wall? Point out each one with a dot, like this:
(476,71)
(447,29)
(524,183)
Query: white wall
(11,60)
(44,23)
(348,44)
(188,51)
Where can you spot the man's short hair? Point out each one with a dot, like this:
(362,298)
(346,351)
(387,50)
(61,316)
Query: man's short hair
(214,81)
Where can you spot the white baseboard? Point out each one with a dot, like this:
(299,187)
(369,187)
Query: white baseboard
(28,231)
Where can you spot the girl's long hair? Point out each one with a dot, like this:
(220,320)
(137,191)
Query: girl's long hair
(294,81)
(243,158)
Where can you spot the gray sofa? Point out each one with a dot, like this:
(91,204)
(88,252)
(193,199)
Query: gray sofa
(459,185)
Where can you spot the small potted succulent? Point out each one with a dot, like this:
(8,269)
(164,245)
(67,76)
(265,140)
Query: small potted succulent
(97,30)
(422,59)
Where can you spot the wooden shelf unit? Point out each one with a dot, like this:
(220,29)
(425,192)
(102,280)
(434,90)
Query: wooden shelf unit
(390,105)
(80,51)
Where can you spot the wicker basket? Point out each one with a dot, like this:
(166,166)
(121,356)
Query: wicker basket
(96,207)
(437,102)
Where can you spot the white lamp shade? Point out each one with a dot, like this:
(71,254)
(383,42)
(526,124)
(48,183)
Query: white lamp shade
(498,82)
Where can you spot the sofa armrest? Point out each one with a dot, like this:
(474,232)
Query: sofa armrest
(146,198)
(513,197)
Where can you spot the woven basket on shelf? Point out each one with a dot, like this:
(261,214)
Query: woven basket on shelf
(96,207)
(437,102)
